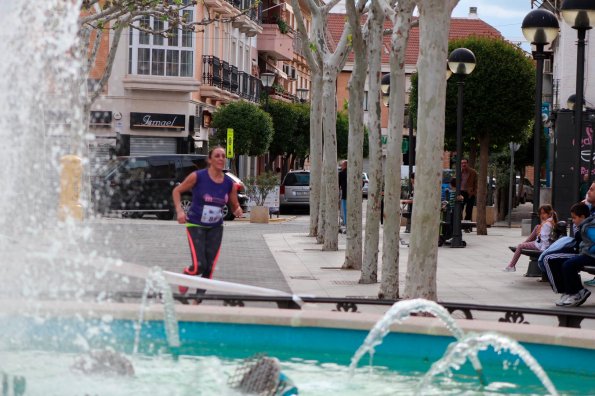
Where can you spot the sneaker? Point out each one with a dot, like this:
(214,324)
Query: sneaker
(590,282)
(509,269)
(577,299)
(563,298)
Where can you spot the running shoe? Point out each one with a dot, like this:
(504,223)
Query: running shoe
(590,282)
(577,299)
(563,298)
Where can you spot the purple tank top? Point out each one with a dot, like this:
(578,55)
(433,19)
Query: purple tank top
(208,199)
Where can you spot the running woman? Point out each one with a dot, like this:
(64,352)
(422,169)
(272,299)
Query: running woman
(211,190)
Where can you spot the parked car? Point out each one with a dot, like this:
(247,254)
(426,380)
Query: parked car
(242,197)
(526,190)
(365,181)
(294,191)
(139,185)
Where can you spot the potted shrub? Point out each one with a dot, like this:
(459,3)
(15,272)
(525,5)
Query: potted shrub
(283,27)
(258,188)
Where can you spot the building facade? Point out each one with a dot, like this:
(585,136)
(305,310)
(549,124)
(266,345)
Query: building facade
(163,91)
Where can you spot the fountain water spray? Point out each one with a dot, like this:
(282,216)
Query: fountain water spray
(156,283)
(471,344)
(400,311)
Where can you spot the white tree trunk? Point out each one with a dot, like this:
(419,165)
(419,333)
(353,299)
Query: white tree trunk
(329,172)
(315,151)
(369,272)
(421,266)
(389,287)
(321,58)
(321,207)
(353,251)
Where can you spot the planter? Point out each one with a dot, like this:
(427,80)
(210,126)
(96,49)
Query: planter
(259,214)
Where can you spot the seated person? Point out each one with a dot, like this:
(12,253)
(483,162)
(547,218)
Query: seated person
(569,282)
(541,237)
(555,256)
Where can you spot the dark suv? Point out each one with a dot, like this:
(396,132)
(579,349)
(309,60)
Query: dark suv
(139,185)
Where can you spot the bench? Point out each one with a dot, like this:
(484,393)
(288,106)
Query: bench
(533,270)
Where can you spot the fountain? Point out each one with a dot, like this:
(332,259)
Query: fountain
(48,267)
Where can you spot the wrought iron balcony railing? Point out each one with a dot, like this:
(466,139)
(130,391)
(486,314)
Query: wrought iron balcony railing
(225,76)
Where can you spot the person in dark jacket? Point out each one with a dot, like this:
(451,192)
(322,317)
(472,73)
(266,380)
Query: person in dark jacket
(343,188)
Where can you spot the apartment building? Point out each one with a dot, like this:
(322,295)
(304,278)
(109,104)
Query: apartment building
(162,92)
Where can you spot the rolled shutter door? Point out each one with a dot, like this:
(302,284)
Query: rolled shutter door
(152,145)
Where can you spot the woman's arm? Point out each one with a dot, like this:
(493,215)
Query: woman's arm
(176,194)
(235,204)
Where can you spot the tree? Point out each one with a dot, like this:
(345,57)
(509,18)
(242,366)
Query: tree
(329,63)
(356,136)
(291,129)
(434,20)
(499,102)
(401,17)
(314,60)
(252,126)
(375,26)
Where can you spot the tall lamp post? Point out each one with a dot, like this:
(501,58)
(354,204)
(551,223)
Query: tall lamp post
(460,62)
(540,27)
(267,82)
(580,15)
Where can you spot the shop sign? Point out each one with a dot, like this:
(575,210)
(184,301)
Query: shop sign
(158,121)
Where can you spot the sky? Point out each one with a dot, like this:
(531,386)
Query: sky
(504,15)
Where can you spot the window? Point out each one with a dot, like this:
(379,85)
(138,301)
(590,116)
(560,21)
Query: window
(157,55)
(161,169)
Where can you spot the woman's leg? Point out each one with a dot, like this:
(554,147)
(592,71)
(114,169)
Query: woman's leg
(517,252)
(197,241)
(212,248)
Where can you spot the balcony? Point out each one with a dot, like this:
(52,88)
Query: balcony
(223,81)
(274,43)
(160,83)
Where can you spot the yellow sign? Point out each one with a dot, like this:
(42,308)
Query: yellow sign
(229,143)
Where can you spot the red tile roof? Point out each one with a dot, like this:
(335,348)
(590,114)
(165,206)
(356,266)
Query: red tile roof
(459,28)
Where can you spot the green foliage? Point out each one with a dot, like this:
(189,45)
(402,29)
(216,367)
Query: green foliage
(253,127)
(259,187)
(291,122)
(283,27)
(498,95)
(343,134)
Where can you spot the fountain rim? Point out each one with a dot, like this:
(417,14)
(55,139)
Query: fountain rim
(525,333)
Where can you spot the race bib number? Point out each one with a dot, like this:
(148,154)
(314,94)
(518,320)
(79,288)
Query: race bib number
(211,214)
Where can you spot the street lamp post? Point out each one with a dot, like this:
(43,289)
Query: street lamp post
(580,14)
(540,27)
(267,82)
(461,62)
